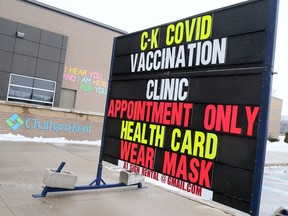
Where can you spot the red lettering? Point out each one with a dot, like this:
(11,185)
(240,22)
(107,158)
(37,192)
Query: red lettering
(150,158)
(137,154)
(251,117)
(223,118)
(176,115)
(111,109)
(193,176)
(169,164)
(205,168)
(130,109)
(149,104)
(133,152)
(125,150)
(194,189)
(123,108)
(198,173)
(182,168)
(234,129)
(141,156)
(188,108)
(134,168)
(117,107)
(197,190)
(147,161)
(157,112)
(167,113)
(188,189)
(139,114)
(125,166)
(209,117)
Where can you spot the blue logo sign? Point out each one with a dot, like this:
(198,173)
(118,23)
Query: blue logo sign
(48,125)
(14,122)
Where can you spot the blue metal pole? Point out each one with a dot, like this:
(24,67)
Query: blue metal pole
(265,107)
(81,188)
(60,167)
(100,163)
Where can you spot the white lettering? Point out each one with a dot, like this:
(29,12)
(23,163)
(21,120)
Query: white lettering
(175,89)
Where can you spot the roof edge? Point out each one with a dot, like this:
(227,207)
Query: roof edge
(76,16)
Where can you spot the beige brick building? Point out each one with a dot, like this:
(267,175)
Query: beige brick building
(275,117)
(57,59)
(76,51)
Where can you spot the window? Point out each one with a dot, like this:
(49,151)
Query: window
(31,90)
(67,98)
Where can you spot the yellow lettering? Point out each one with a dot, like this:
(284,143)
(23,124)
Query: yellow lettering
(154,38)
(179,32)
(126,130)
(143,139)
(187,143)
(159,138)
(197,36)
(143,44)
(210,152)
(175,134)
(169,37)
(199,140)
(206,27)
(82,72)
(202,145)
(197,28)
(137,133)
(73,70)
(190,29)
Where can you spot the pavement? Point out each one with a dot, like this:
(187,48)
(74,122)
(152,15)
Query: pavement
(22,165)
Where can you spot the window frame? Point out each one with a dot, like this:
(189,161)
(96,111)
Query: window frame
(33,101)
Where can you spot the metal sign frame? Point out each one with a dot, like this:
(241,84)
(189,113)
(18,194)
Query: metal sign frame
(263,66)
(267,71)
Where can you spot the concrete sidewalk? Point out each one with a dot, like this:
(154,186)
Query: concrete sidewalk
(22,165)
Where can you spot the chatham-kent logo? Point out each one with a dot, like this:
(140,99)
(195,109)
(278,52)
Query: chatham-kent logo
(32,123)
(14,122)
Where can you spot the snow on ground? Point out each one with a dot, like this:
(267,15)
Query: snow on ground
(62,140)
(279,146)
(275,181)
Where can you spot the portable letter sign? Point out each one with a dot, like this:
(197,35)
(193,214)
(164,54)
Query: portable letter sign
(188,102)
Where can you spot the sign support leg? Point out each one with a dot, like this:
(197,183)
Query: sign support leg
(96,183)
(265,105)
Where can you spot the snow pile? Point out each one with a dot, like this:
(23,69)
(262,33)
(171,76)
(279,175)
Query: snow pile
(62,140)
(279,146)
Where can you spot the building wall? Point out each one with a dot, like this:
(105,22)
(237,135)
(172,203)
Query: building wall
(31,121)
(275,117)
(39,53)
(89,49)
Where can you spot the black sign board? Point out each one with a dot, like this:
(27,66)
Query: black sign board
(189,100)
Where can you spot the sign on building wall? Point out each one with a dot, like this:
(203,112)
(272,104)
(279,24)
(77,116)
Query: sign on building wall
(186,103)
(84,80)
(32,122)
